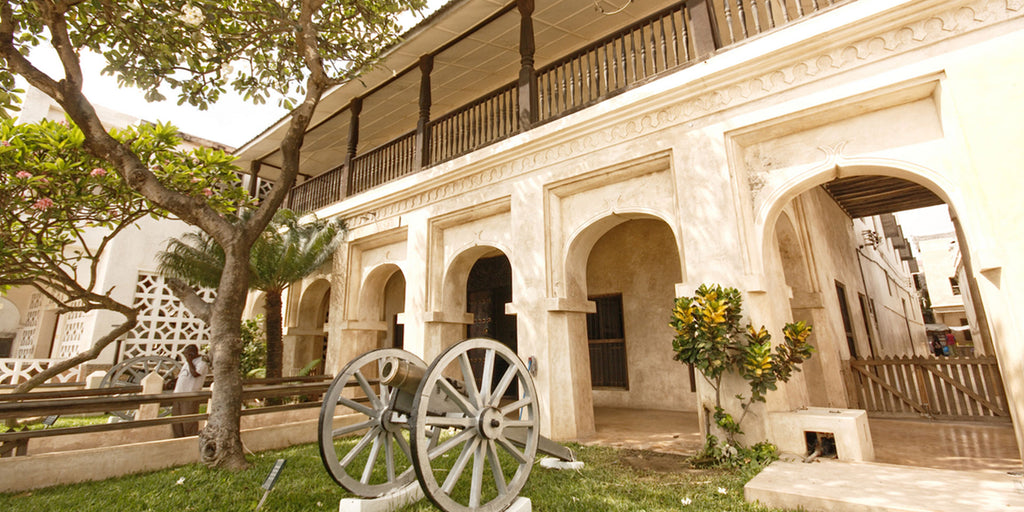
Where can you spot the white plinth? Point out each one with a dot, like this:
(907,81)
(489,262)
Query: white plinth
(410,494)
(849,426)
(390,502)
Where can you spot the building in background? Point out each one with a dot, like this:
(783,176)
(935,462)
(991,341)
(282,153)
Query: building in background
(33,332)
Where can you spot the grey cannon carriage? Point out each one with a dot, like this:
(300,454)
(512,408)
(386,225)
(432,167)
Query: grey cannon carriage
(467,427)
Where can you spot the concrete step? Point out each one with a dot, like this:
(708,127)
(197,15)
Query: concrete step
(831,485)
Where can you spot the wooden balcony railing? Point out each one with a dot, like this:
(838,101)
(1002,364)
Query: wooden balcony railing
(661,43)
(636,53)
(739,19)
(318,191)
(385,163)
(489,119)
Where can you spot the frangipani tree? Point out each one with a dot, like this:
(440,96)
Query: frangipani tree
(60,207)
(199,49)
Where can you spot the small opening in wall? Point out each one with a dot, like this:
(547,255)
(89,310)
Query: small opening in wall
(820,445)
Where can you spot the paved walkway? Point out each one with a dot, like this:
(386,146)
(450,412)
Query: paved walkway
(869,487)
(934,444)
(921,466)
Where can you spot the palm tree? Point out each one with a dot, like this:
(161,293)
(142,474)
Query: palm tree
(286,252)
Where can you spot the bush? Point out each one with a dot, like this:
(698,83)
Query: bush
(254,348)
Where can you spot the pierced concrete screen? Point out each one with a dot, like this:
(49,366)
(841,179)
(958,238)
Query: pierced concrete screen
(166,326)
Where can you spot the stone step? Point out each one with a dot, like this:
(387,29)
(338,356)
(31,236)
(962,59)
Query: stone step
(832,485)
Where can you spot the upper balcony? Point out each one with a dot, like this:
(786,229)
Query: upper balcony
(519,65)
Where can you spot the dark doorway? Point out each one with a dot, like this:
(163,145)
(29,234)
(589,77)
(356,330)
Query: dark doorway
(488,289)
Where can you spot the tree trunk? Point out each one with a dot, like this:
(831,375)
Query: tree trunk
(275,343)
(220,443)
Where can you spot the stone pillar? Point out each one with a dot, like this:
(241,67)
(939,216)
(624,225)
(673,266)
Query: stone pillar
(152,384)
(420,263)
(551,329)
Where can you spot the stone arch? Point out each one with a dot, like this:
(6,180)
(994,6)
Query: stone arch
(371,292)
(624,268)
(307,341)
(257,305)
(572,284)
(453,294)
(767,211)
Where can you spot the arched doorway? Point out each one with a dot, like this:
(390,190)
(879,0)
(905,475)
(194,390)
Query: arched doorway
(631,273)
(393,307)
(488,290)
(866,286)
(309,341)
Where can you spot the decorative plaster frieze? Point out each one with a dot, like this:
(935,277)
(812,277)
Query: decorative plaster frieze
(929,28)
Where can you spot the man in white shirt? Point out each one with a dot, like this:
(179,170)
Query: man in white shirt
(190,379)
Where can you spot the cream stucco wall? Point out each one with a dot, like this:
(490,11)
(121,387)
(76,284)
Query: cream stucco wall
(639,260)
(718,153)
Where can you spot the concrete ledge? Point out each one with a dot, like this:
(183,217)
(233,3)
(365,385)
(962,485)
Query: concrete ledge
(849,426)
(831,485)
(44,470)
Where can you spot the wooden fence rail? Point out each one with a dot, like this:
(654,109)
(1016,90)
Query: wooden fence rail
(942,388)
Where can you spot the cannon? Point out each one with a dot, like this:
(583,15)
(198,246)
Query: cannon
(467,426)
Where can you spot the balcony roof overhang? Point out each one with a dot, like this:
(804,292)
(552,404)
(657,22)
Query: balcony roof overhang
(558,26)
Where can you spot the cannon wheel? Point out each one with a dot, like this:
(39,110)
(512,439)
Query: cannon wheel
(501,434)
(131,372)
(384,428)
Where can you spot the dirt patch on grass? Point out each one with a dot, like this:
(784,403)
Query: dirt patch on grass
(642,460)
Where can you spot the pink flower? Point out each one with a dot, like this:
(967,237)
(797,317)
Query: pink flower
(43,204)
(23,175)
(99,171)
(207,192)
(196,179)
(4,143)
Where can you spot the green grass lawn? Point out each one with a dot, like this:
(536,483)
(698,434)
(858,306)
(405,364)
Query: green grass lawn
(612,480)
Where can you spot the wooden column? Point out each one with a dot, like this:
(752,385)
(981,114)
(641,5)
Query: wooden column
(356,106)
(422,156)
(705,41)
(528,102)
(254,176)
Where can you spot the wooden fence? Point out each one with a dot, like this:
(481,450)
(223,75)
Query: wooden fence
(941,388)
(38,404)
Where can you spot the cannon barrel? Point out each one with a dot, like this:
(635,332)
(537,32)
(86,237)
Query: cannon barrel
(401,374)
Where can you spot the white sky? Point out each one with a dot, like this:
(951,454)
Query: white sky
(232,120)
(925,221)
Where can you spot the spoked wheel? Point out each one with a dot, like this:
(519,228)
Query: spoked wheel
(130,372)
(361,468)
(497,436)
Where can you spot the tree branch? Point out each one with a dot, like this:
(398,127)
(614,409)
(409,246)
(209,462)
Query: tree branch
(199,307)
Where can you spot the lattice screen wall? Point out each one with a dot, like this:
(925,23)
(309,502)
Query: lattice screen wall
(69,334)
(25,341)
(165,325)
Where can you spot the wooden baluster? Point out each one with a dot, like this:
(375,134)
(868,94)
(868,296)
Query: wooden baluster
(632,53)
(643,56)
(676,36)
(577,67)
(743,18)
(654,48)
(728,20)
(785,10)
(754,13)
(799,8)
(594,59)
(664,44)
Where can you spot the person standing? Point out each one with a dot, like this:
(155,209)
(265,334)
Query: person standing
(190,379)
